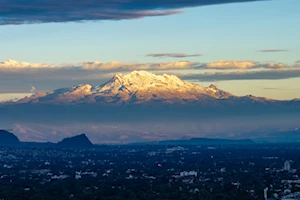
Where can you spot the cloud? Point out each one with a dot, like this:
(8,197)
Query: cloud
(272,50)
(239,64)
(45,11)
(173,55)
(119,66)
(109,66)
(14,64)
(33,89)
(18,77)
(273,88)
(275,74)
(297,64)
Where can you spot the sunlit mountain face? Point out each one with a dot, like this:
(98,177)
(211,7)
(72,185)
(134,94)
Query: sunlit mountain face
(141,106)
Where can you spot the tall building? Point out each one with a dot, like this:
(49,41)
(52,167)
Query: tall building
(266,193)
(287,166)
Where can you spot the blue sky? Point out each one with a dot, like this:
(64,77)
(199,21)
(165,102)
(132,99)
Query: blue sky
(219,32)
(235,31)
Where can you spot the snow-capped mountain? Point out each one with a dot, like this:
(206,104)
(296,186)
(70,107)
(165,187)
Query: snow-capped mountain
(141,106)
(137,87)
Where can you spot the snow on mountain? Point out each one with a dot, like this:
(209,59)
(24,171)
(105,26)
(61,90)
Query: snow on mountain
(137,87)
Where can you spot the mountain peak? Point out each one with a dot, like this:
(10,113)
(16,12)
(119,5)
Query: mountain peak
(137,87)
(212,86)
(118,76)
(140,73)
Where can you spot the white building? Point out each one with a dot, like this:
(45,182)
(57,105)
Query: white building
(287,166)
(266,193)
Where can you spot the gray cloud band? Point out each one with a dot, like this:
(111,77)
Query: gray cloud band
(248,75)
(272,50)
(20,77)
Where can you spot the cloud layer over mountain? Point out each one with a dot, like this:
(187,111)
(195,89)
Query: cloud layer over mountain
(21,77)
(43,11)
(119,66)
(238,64)
(243,75)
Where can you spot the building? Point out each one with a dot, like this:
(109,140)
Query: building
(287,166)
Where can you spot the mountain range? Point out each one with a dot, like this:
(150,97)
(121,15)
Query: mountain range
(79,141)
(139,87)
(141,106)
(82,141)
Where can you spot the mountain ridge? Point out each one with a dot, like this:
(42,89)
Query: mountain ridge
(78,141)
(139,87)
(8,138)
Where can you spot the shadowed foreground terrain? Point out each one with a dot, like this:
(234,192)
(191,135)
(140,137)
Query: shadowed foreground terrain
(228,172)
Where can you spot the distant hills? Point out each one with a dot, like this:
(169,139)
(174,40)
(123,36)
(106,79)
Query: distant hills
(82,141)
(79,141)
(206,141)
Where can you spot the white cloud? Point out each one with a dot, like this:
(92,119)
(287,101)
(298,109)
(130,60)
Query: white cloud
(113,66)
(240,64)
(18,77)
(33,89)
(12,64)
(230,65)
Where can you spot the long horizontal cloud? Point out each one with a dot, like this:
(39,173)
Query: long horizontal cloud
(43,11)
(237,64)
(123,66)
(173,55)
(115,66)
(272,50)
(107,67)
(12,64)
(25,77)
(21,77)
(243,75)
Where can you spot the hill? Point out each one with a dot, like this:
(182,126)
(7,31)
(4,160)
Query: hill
(8,139)
(207,141)
(79,141)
